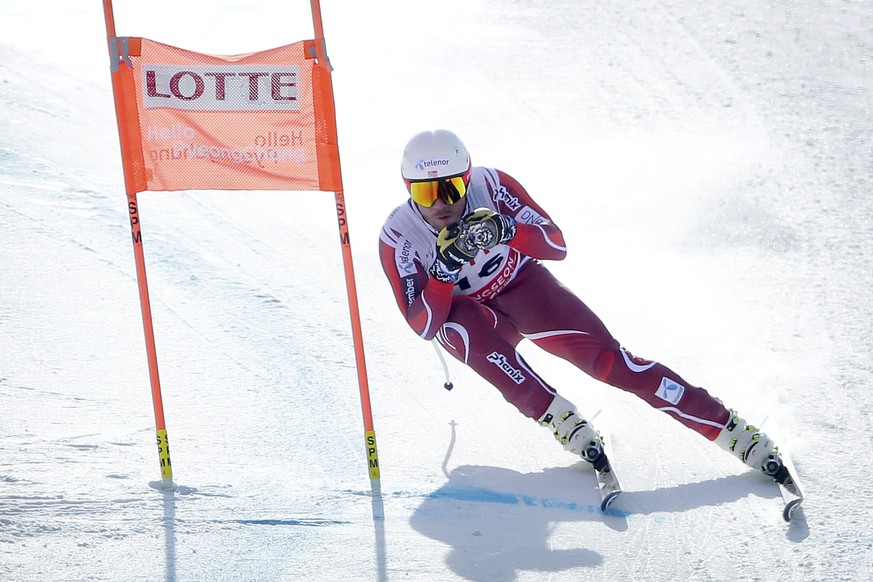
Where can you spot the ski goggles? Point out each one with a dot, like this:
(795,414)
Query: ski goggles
(449,190)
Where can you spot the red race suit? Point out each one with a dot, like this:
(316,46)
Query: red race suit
(506,294)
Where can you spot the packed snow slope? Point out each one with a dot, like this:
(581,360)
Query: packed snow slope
(711,166)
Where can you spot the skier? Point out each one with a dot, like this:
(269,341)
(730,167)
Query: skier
(463,254)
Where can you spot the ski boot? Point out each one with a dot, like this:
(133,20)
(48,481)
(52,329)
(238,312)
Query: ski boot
(752,447)
(574,432)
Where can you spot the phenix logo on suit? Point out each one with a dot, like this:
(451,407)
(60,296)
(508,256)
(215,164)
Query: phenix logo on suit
(499,360)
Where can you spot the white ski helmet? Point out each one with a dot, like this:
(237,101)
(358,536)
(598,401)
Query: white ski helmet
(431,155)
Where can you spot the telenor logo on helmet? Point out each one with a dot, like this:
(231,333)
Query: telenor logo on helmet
(422,164)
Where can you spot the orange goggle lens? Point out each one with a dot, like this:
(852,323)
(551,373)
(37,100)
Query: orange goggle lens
(449,190)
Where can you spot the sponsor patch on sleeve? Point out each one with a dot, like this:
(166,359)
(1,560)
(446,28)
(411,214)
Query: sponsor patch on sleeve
(670,391)
(528,215)
(403,258)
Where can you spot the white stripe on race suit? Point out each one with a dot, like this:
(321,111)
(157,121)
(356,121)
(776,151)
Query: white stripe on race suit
(678,412)
(635,367)
(429,314)
(545,334)
(465,337)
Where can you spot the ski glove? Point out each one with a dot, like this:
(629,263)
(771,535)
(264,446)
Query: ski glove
(483,229)
(452,253)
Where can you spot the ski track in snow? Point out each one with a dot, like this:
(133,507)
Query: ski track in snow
(711,168)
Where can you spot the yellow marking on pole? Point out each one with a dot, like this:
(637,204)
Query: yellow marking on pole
(372,454)
(164,454)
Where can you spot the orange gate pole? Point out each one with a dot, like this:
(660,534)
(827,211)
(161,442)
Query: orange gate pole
(136,233)
(342,221)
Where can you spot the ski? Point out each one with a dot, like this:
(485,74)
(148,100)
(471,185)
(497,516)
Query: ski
(607,481)
(790,489)
(607,484)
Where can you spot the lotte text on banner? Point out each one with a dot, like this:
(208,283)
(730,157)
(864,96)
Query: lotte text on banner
(261,121)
